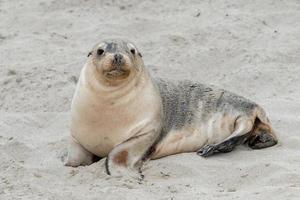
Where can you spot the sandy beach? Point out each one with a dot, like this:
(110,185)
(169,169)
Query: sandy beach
(249,47)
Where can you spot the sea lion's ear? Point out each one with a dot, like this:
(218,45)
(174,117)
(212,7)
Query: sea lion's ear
(89,54)
(140,54)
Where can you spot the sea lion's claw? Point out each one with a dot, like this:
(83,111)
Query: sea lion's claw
(206,151)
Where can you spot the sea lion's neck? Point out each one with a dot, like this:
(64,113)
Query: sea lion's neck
(124,92)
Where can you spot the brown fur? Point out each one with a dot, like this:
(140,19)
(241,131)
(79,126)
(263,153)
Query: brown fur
(121,158)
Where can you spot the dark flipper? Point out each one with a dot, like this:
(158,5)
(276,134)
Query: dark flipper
(262,140)
(224,147)
(262,136)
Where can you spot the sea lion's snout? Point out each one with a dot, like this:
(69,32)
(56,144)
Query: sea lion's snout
(116,65)
(118,59)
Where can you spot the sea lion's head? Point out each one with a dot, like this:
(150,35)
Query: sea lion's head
(116,61)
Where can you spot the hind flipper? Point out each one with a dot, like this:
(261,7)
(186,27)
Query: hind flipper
(262,136)
(223,147)
(243,127)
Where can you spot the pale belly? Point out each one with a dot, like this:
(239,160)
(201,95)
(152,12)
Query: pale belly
(192,137)
(99,141)
(99,132)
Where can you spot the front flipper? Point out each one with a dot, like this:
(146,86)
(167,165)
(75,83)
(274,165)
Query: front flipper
(127,158)
(242,130)
(78,155)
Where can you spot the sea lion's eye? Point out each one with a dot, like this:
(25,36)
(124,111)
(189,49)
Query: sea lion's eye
(132,51)
(100,52)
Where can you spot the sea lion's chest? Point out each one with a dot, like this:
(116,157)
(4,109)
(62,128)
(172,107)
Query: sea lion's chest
(100,126)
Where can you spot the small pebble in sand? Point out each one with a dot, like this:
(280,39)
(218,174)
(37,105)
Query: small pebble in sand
(172,189)
(264,22)
(128,186)
(37,175)
(73,172)
(2,37)
(231,190)
(19,80)
(11,72)
(5,82)
(164,174)
(244,176)
(73,79)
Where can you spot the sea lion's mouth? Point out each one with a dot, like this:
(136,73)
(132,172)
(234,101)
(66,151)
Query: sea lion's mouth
(116,73)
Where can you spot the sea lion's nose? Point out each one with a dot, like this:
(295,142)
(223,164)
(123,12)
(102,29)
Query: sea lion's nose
(118,59)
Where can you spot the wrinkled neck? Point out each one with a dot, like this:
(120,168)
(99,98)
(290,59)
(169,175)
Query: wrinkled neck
(127,89)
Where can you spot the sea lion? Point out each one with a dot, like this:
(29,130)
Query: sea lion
(120,112)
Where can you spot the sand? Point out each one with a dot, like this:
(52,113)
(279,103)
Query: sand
(249,47)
